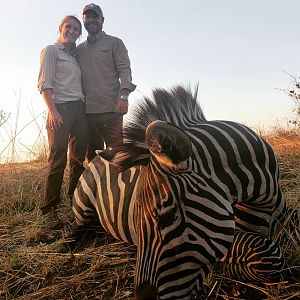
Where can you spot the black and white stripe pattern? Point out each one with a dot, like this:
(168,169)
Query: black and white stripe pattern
(172,190)
(105,193)
(227,155)
(115,198)
(244,166)
(253,258)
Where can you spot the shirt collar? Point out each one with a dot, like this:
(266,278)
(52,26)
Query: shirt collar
(59,45)
(62,47)
(92,39)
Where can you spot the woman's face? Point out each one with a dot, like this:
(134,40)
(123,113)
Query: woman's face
(69,31)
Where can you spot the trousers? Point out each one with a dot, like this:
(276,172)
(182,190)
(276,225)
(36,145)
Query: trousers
(72,136)
(104,129)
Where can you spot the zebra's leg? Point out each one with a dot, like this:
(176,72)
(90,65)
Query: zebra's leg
(80,236)
(253,258)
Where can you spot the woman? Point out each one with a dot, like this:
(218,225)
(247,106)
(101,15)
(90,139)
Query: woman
(59,83)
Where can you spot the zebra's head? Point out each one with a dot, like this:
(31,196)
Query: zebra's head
(182,226)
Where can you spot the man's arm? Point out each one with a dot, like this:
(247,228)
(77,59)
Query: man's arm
(122,64)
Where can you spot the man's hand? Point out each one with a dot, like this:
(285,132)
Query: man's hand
(122,105)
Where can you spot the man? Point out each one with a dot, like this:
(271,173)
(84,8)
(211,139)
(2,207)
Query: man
(106,82)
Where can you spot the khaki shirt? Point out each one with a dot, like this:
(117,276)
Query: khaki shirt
(60,72)
(105,70)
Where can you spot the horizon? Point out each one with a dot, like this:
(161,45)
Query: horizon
(240,54)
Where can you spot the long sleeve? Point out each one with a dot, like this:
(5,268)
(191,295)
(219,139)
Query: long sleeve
(47,68)
(122,64)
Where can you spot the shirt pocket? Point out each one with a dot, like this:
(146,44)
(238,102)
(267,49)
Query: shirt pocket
(103,56)
(102,51)
(64,64)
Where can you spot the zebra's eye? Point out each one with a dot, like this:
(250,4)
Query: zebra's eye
(167,218)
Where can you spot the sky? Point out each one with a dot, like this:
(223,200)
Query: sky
(239,52)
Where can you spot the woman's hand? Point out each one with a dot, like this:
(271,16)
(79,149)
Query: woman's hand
(54,120)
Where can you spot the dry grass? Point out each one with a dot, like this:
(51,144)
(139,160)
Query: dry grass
(286,144)
(30,269)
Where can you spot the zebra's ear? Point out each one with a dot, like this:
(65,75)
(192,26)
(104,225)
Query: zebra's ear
(168,143)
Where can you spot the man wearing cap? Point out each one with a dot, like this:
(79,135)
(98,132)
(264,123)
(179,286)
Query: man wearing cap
(106,81)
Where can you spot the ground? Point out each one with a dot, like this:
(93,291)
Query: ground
(30,268)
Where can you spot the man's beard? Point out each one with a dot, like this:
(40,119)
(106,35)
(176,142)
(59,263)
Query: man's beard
(92,28)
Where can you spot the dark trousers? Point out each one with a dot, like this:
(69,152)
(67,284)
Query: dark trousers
(106,128)
(73,134)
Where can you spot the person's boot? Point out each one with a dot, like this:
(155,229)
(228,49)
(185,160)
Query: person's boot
(71,240)
(70,200)
(52,221)
(79,235)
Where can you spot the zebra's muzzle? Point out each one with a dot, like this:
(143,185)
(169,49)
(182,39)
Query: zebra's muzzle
(146,291)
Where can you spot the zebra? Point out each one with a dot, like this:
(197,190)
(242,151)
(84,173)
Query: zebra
(179,188)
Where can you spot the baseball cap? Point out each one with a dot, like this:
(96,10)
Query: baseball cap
(95,8)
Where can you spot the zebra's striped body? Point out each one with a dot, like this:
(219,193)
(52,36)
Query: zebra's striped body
(234,159)
(172,191)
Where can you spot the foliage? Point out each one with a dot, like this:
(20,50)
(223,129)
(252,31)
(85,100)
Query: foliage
(3,117)
(294,94)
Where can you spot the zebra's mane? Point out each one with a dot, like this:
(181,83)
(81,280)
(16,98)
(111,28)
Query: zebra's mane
(174,106)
